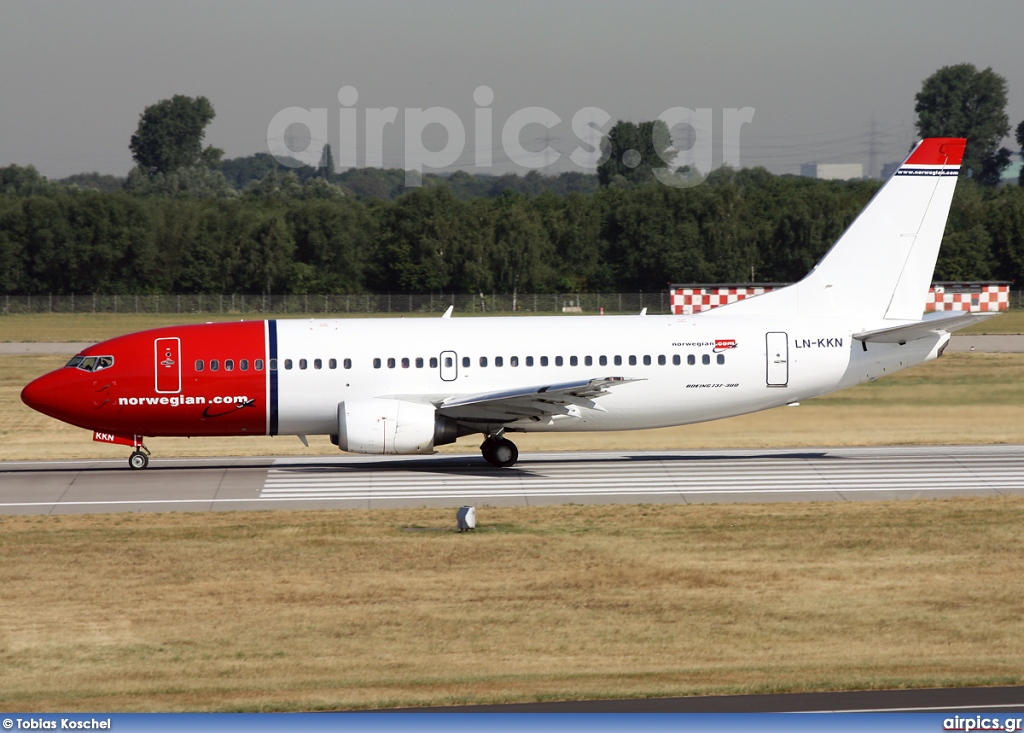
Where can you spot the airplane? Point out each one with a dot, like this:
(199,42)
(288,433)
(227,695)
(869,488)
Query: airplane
(406,386)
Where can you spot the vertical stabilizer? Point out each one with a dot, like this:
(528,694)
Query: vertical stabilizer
(882,265)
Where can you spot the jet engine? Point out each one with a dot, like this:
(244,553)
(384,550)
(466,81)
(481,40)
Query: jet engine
(387,426)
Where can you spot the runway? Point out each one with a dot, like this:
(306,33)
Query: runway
(375,482)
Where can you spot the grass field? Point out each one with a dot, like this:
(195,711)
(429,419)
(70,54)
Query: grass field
(351,609)
(90,327)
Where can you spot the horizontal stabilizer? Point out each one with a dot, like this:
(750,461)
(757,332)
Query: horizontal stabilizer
(922,329)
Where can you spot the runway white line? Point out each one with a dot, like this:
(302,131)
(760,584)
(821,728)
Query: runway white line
(690,477)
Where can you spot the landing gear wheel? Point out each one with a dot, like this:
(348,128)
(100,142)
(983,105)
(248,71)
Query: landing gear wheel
(500,452)
(138,460)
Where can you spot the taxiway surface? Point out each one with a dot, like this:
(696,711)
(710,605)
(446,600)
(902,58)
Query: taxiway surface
(373,482)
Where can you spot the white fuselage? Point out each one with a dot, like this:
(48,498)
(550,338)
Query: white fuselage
(688,368)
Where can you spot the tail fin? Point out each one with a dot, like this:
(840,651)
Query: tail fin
(882,265)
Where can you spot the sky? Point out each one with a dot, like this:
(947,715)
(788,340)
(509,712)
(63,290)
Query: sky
(827,82)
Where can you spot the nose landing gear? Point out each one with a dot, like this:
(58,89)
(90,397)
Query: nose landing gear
(140,458)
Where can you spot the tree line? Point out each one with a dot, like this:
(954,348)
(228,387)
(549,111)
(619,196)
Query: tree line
(282,236)
(186,221)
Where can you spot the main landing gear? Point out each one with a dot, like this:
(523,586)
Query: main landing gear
(499,451)
(138,459)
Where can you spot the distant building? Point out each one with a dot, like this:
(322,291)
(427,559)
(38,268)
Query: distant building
(889,168)
(1011,173)
(832,171)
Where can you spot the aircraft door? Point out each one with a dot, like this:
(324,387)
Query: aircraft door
(167,352)
(777,354)
(449,366)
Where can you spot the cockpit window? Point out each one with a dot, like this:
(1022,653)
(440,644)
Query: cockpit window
(91,363)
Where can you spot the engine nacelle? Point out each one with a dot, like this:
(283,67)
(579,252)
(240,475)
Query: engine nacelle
(392,427)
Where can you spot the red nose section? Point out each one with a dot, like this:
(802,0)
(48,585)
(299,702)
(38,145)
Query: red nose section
(49,395)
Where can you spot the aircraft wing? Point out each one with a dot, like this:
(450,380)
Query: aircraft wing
(539,401)
(922,329)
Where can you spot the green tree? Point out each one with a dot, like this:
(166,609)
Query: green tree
(520,251)
(170,136)
(631,152)
(1020,144)
(960,101)
(333,245)
(424,236)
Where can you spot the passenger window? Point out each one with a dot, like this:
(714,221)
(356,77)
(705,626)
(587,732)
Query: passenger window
(618,360)
(465,361)
(244,365)
(690,359)
(199,365)
(332,363)
(661,360)
(215,365)
(229,365)
(419,362)
(513,361)
(405,362)
(529,361)
(391,363)
(588,361)
(347,363)
(705,359)
(499,361)
(602,360)
(483,361)
(676,360)
(273,365)
(376,363)
(433,362)
(558,361)
(721,358)
(543,361)
(258,365)
(448,362)
(287,364)
(632,360)
(318,363)
(647,359)
(303,363)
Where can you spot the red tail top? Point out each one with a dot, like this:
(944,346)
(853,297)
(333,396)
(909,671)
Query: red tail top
(938,151)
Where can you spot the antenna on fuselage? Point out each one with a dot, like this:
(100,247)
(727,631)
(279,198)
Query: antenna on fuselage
(448,313)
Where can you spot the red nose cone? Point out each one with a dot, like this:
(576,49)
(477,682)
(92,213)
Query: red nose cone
(46,396)
(35,393)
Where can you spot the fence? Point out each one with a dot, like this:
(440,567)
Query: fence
(357,303)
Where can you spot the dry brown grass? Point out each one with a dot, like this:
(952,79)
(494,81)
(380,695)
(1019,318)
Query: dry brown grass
(960,399)
(346,609)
